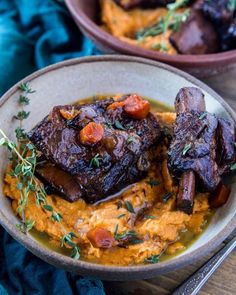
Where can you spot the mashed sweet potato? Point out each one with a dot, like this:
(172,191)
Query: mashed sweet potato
(160,226)
(125,24)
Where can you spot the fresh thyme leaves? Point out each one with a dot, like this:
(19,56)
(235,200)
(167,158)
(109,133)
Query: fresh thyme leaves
(129,236)
(23,171)
(160,46)
(178,19)
(154,30)
(129,207)
(116,231)
(26,88)
(129,126)
(23,100)
(20,134)
(118,125)
(149,217)
(121,215)
(67,240)
(95,162)
(177,4)
(153,183)
(172,20)
(231,4)
(203,116)
(26,226)
(186,148)
(130,139)
(109,125)
(152,259)
(22,115)
(24,160)
(166,197)
(55,216)
(233,167)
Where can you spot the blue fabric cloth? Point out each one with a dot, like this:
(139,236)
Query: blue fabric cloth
(34,34)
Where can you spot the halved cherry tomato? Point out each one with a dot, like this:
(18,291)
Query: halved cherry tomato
(91,133)
(136,107)
(100,238)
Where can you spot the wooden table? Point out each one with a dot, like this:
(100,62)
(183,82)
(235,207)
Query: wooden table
(223,281)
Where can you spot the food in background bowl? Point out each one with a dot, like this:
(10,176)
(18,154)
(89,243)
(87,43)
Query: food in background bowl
(170,167)
(182,26)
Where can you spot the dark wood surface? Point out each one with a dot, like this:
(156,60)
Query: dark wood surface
(223,281)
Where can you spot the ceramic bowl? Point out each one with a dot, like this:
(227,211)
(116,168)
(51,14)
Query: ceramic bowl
(86,13)
(75,79)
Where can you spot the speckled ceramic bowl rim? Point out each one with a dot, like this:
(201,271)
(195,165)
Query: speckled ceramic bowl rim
(116,272)
(124,47)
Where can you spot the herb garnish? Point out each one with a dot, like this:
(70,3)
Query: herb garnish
(118,125)
(128,237)
(153,183)
(26,88)
(233,167)
(109,125)
(23,160)
(26,226)
(186,148)
(95,162)
(121,215)
(129,207)
(55,216)
(21,115)
(203,116)
(152,259)
(231,4)
(67,240)
(172,20)
(166,197)
(23,100)
(23,171)
(160,46)
(149,217)
(130,139)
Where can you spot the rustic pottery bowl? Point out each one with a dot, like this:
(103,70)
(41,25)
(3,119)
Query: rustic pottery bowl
(75,79)
(86,14)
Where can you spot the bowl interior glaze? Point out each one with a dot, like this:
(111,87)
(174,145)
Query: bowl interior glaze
(71,80)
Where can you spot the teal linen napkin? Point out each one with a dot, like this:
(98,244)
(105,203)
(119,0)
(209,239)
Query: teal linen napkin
(34,34)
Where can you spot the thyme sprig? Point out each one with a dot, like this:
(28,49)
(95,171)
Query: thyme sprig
(231,4)
(67,240)
(129,207)
(128,237)
(152,259)
(172,20)
(23,171)
(95,161)
(186,148)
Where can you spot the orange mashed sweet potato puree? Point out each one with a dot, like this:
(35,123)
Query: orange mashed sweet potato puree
(124,24)
(159,228)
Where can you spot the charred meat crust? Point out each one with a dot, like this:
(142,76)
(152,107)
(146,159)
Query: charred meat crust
(202,147)
(122,154)
(196,36)
(225,151)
